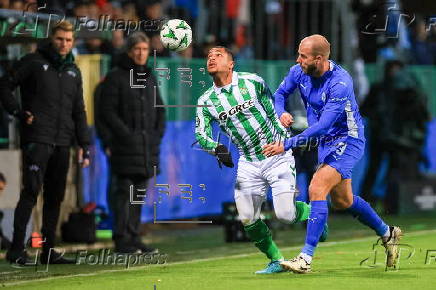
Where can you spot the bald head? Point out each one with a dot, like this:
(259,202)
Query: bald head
(313,55)
(317,44)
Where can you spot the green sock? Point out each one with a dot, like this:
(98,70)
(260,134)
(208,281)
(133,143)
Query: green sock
(303,211)
(260,234)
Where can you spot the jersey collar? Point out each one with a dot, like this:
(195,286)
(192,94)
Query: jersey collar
(328,73)
(235,81)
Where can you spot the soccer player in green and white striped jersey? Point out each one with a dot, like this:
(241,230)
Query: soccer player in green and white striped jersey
(241,104)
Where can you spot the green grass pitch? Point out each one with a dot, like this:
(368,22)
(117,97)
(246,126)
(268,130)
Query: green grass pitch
(348,261)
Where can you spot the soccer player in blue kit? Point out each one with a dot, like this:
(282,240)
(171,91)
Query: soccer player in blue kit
(333,116)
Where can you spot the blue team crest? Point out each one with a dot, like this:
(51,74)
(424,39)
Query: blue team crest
(323,97)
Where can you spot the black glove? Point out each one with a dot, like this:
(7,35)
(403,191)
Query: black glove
(223,155)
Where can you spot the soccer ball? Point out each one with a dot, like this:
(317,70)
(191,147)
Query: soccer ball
(176,34)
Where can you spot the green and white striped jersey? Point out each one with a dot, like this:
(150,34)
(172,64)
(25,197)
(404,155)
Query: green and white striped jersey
(245,111)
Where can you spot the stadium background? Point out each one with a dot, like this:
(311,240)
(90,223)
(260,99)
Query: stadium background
(265,35)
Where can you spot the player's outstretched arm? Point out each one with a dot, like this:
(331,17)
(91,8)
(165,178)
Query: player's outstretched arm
(333,109)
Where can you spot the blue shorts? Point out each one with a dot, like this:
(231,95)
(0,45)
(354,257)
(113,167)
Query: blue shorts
(342,154)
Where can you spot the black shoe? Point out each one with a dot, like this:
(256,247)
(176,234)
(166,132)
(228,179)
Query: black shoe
(123,247)
(126,250)
(19,257)
(53,257)
(144,248)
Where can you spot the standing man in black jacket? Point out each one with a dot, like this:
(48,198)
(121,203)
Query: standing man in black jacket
(53,117)
(136,128)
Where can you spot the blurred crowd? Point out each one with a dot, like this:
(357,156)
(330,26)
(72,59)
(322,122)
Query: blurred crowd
(111,41)
(394,29)
(236,23)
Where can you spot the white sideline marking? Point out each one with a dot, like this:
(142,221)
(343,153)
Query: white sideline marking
(321,245)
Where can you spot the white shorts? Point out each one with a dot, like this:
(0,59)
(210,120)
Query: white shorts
(252,181)
(278,172)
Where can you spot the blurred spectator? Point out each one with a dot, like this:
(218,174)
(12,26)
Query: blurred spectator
(398,114)
(4,242)
(408,134)
(16,5)
(4,4)
(81,9)
(156,44)
(423,51)
(90,42)
(244,44)
(377,107)
(53,116)
(115,47)
(153,10)
(93,11)
(149,10)
(129,11)
(117,11)
(135,129)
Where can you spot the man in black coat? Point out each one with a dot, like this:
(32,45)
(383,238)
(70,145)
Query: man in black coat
(53,118)
(136,128)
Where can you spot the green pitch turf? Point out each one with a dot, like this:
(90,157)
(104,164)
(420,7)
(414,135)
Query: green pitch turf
(203,261)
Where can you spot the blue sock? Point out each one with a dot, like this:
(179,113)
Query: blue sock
(367,216)
(315,225)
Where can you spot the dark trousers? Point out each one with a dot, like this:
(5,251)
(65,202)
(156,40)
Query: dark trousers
(376,153)
(127,215)
(44,166)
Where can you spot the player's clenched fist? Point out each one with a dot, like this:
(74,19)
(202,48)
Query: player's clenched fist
(286,119)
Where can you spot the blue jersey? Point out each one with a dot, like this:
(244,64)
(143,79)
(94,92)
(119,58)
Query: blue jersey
(332,110)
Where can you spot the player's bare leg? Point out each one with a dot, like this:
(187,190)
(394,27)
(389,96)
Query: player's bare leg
(342,198)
